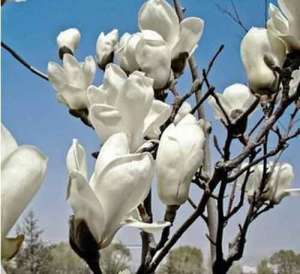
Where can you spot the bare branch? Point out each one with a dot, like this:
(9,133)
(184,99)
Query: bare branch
(23,62)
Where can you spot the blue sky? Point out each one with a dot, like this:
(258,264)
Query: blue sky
(31,112)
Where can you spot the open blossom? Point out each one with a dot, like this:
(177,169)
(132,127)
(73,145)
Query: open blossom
(72,80)
(146,51)
(286,24)
(126,104)
(120,182)
(278,183)
(105,47)
(22,172)
(162,38)
(161,17)
(179,155)
(68,41)
(235,100)
(261,52)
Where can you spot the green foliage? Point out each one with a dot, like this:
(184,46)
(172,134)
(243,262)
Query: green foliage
(183,260)
(235,269)
(33,256)
(264,268)
(287,261)
(115,258)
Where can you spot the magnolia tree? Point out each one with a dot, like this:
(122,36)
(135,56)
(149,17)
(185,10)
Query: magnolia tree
(142,136)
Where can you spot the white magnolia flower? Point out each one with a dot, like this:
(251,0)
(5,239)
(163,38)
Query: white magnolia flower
(161,17)
(235,100)
(22,172)
(146,51)
(277,186)
(286,24)
(261,51)
(179,155)
(126,104)
(72,80)
(120,182)
(294,83)
(68,41)
(182,112)
(105,47)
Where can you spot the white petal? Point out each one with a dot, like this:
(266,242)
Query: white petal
(155,227)
(179,155)
(115,146)
(159,16)
(294,83)
(69,38)
(113,81)
(76,159)
(89,70)
(73,97)
(258,46)
(293,191)
(85,205)
(96,95)
(154,58)
(10,247)
(157,116)
(122,186)
(106,120)
(191,30)
(219,114)
(105,46)
(74,72)
(22,176)
(134,103)
(8,144)
(56,75)
(125,53)
(182,112)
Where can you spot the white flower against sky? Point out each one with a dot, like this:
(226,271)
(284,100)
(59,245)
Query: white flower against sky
(72,80)
(235,100)
(179,155)
(278,183)
(68,41)
(22,171)
(261,52)
(120,182)
(126,104)
(105,47)
(286,24)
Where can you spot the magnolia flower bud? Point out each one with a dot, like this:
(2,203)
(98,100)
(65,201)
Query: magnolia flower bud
(179,155)
(261,52)
(285,24)
(277,186)
(67,41)
(105,48)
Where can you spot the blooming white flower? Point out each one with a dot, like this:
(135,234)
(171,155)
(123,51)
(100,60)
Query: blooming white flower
(261,51)
(120,182)
(235,100)
(278,183)
(72,80)
(161,17)
(179,155)
(294,83)
(68,41)
(126,104)
(22,172)
(286,25)
(146,51)
(105,47)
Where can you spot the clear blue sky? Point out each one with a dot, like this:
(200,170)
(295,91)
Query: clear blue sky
(31,112)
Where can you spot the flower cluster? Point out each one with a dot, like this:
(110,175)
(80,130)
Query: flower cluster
(264,50)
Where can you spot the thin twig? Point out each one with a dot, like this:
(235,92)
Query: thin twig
(23,62)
